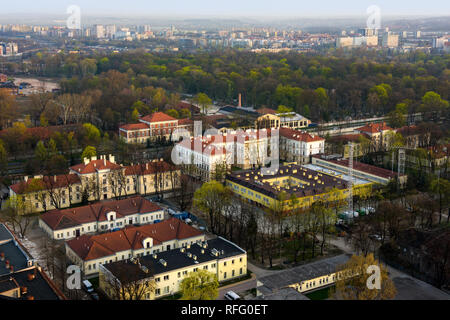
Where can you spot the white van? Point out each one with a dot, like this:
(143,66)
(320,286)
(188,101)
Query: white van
(230,295)
(88,286)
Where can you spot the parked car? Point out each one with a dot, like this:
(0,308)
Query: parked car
(95,296)
(376,237)
(230,295)
(88,286)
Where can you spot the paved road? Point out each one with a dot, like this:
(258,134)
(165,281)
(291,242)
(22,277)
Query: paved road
(408,287)
(238,288)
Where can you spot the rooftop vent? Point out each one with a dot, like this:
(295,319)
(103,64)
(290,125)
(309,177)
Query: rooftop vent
(163,262)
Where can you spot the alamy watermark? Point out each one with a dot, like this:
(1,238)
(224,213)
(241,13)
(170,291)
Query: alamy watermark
(234,147)
(374,19)
(74,20)
(374,280)
(73,282)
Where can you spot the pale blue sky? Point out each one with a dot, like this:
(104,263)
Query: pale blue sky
(231,7)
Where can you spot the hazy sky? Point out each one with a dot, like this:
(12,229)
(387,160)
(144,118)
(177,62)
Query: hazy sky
(230,7)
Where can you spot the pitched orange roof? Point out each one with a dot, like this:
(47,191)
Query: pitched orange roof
(47,182)
(158,117)
(95,165)
(299,135)
(185,122)
(103,245)
(148,168)
(374,127)
(61,219)
(134,126)
(264,111)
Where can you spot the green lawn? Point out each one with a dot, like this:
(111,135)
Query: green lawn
(320,294)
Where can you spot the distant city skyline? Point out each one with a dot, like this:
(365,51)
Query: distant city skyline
(230,8)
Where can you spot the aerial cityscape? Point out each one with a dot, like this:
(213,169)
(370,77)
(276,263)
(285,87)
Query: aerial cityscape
(239,152)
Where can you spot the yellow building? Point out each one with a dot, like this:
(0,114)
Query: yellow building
(100,178)
(167,269)
(305,278)
(290,120)
(292,186)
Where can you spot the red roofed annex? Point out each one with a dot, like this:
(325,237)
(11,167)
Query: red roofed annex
(90,251)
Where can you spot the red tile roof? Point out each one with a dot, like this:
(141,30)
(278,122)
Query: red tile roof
(185,122)
(299,135)
(61,219)
(99,246)
(374,127)
(264,111)
(134,126)
(158,117)
(47,182)
(95,165)
(367,168)
(148,168)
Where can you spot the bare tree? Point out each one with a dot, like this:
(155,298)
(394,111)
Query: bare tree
(127,283)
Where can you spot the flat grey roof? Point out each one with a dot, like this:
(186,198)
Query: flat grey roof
(15,255)
(282,294)
(4,233)
(301,273)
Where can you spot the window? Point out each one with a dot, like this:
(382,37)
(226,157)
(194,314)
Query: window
(179,274)
(240,271)
(157,279)
(224,275)
(157,292)
(166,277)
(225,264)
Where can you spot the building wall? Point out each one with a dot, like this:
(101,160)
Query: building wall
(168,283)
(119,256)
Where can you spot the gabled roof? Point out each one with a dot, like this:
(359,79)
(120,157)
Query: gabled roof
(148,168)
(67,218)
(95,165)
(374,128)
(47,182)
(157,117)
(185,122)
(99,246)
(264,111)
(134,126)
(299,135)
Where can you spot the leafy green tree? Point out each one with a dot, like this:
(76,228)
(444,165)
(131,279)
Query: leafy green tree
(89,152)
(284,110)
(135,115)
(173,113)
(91,134)
(211,198)
(41,152)
(203,101)
(185,114)
(200,285)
